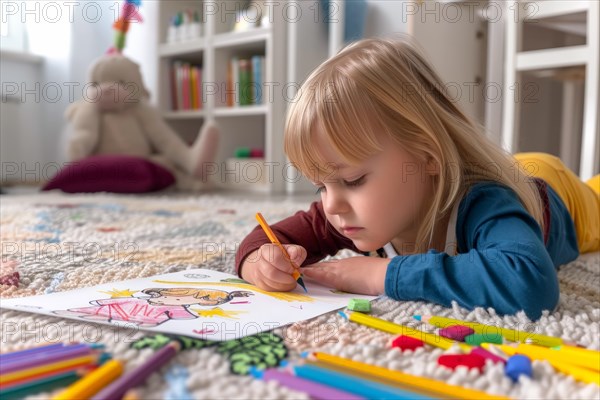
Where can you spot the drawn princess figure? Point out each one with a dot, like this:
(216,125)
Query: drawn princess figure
(162,305)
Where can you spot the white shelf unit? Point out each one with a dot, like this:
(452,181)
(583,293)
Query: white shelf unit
(257,126)
(573,62)
(293,49)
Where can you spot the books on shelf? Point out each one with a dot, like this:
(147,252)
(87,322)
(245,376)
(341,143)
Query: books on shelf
(186,86)
(245,81)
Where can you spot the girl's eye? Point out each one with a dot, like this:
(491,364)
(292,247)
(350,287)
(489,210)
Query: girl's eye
(356,182)
(320,189)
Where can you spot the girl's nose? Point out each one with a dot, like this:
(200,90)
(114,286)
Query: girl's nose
(334,203)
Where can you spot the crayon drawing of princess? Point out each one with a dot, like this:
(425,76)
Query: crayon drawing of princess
(163,305)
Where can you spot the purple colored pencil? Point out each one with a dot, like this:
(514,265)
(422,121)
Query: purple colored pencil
(47,353)
(38,359)
(33,350)
(118,388)
(315,390)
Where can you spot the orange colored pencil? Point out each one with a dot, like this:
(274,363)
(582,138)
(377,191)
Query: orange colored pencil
(271,235)
(27,373)
(43,375)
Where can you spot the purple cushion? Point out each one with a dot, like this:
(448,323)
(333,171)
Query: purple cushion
(111,173)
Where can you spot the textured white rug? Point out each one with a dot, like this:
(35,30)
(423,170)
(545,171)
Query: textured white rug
(58,242)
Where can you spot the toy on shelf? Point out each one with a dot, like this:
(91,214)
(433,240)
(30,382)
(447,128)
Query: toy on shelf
(247,152)
(184,26)
(129,14)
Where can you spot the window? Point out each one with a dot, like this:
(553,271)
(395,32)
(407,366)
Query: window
(13,32)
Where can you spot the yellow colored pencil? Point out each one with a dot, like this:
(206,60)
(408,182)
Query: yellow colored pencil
(426,384)
(508,334)
(561,364)
(25,373)
(546,353)
(593,356)
(588,360)
(271,235)
(93,382)
(396,329)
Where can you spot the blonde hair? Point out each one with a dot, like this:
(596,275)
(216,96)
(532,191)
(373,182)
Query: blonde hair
(386,85)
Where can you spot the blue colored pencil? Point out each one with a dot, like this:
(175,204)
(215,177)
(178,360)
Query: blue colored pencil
(315,390)
(353,384)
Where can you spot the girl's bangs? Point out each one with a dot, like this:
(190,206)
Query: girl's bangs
(337,108)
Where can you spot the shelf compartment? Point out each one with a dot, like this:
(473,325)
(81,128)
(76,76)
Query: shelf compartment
(549,9)
(552,58)
(181,48)
(184,114)
(258,109)
(242,39)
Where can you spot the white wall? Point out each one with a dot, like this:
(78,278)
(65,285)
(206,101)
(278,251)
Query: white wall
(447,34)
(385,17)
(142,46)
(21,139)
(69,42)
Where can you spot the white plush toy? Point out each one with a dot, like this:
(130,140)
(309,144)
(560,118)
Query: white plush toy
(116,118)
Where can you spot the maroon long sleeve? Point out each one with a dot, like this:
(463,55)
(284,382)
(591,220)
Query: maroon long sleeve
(308,229)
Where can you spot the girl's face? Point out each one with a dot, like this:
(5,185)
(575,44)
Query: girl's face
(379,200)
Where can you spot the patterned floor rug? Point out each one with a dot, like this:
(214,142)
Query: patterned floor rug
(54,242)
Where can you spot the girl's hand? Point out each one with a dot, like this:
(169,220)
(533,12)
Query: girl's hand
(364,275)
(268,268)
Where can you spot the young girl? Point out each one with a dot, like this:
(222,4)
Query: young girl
(405,175)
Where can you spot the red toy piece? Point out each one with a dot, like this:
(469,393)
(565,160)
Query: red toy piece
(407,343)
(468,360)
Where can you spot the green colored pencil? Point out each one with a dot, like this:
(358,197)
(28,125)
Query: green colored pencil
(42,385)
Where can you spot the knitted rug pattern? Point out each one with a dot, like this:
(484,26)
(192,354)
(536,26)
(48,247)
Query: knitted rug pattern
(53,242)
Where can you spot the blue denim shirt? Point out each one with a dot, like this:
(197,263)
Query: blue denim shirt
(502,262)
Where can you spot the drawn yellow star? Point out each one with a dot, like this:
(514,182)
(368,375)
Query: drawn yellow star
(217,312)
(120,293)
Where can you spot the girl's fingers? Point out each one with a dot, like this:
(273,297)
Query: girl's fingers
(275,286)
(274,256)
(322,274)
(276,276)
(274,268)
(313,272)
(296,252)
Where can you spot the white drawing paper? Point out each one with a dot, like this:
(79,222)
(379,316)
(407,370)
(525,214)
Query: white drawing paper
(199,303)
